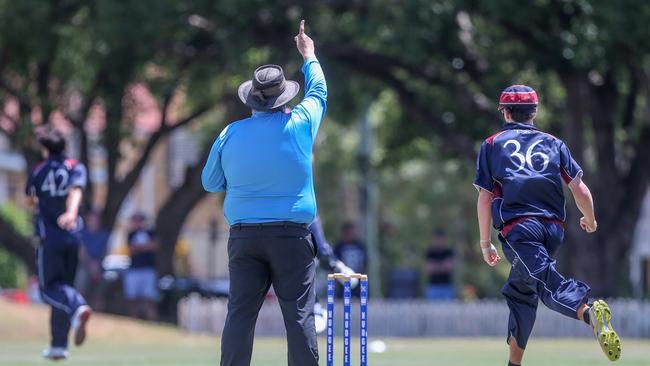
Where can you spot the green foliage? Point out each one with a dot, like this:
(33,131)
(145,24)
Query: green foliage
(421,190)
(428,72)
(12,272)
(18,217)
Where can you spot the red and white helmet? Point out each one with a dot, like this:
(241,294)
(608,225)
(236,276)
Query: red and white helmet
(518,95)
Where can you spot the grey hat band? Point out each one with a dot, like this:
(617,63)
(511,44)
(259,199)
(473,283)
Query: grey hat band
(269,92)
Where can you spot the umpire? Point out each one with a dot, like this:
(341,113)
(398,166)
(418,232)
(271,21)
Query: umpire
(264,165)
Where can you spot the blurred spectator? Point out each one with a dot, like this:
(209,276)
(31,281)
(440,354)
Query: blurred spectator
(140,280)
(403,283)
(439,268)
(351,251)
(94,240)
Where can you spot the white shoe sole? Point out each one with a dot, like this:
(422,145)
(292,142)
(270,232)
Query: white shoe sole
(48,354)
(80,325)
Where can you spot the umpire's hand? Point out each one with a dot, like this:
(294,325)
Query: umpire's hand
(304,44)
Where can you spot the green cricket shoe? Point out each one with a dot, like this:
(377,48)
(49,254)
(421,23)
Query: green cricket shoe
(600,317)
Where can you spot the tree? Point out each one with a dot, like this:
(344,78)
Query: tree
(98,53)
(594,50)
(89,57)
(444,62)
(585,53)
(173,213)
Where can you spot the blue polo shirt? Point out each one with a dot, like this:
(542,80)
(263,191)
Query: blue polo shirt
(524,169)
(264,162)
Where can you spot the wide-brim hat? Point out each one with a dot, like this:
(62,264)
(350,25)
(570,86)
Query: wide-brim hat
(519,96)
(268,89)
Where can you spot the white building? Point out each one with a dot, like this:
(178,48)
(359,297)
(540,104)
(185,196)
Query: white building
(12,168)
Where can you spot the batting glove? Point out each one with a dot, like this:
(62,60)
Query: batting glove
(342,268)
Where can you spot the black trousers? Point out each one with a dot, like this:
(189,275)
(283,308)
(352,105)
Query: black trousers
(281,255)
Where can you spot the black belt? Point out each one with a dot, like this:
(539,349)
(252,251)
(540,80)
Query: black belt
(261,225)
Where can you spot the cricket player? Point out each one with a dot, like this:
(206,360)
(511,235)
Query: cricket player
(329,261)
(519,175)
(57,185)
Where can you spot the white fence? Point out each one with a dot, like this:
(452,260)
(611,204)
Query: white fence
(424,319)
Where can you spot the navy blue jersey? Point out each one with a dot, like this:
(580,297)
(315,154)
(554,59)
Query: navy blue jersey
(353,254)
(138,237)
(50,182)
(524,169)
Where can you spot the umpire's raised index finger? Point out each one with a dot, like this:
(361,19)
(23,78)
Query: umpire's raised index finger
(302,27)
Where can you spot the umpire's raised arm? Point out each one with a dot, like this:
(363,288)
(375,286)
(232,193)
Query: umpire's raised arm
(312,108)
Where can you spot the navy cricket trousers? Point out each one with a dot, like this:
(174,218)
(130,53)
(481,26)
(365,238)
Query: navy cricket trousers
(57,265)
(529,244)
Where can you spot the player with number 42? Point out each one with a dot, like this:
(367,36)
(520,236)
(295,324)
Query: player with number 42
(519,175)
(56,185)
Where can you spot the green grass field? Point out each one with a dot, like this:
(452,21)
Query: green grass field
(116,341)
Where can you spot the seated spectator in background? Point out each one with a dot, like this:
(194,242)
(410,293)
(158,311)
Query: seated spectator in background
(439,267)
(141,279)
(94,240)
(351,251)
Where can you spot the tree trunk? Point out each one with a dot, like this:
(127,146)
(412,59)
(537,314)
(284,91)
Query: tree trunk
(18,245)
(611,244)
(84,158)
(116,195)
(599,259)
(172,215)
(575,260)
(112,137)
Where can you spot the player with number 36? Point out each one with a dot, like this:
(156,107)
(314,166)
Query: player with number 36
(519,175)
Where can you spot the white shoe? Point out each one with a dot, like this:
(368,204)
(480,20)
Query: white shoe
(320,318)
(55,353)
(79,321)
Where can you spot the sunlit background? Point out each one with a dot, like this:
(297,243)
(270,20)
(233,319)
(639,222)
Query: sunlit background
(142,88)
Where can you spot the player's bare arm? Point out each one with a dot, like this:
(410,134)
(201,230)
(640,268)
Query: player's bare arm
(435,266)
(68,220)
(432,267)
(151,246)
(585,203)
(31,201)
(448,265)
(484,213)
